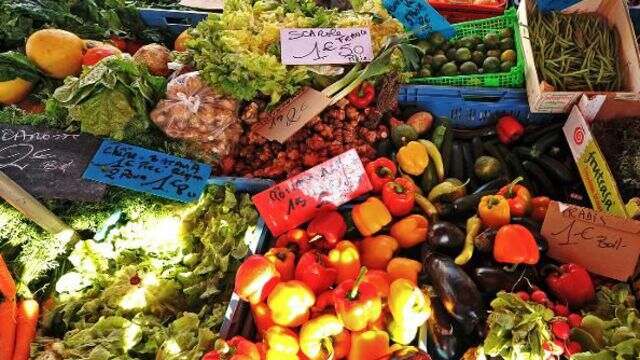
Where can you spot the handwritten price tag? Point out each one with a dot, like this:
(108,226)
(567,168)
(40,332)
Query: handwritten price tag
(296,200)
(419,17)
(604,244)
(143,170)
(319,46)
(292,115)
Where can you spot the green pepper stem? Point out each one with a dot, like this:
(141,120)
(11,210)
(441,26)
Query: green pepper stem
(515,182)
(356,285)
(328,344)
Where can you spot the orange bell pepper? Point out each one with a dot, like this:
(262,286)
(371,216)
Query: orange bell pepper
(357,303)
(403,268)
(377,251)
(282,344)
(284,260)
(494,211)
(262,317)
(381,280)
(290,303)
(295,240)
(369,345)
(316,336)
(237,348)
(370,216)
(346,260)
(410,231)
(514,244)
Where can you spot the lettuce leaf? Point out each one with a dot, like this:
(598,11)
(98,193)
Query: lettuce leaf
(16,65)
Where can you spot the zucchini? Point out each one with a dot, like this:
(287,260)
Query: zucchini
(429,178)
(478,149)
(470,202)
(533,136)
(544,143)
(468,134)
(493,185)
(539,176)
(469,165)
(549,164)
(457,163)
(447,148)
(492,150)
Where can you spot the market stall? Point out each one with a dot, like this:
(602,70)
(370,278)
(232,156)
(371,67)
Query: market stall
(361,180)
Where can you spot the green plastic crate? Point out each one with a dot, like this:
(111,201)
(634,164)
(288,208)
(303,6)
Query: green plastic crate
(513,78)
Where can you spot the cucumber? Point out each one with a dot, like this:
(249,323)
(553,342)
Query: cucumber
(469,164)
(457,163)
(493,185)
(539,176)
(545,142)
(476,146)
(447,148)
(470,202)
(550,165)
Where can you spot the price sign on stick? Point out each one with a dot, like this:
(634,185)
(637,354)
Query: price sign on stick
(604,244)
(143,170)
(319,46)
(292,115)
(296,200)
(419,17)
(49,163)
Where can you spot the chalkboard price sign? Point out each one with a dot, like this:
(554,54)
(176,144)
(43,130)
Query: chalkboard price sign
(49,163)
(143,170)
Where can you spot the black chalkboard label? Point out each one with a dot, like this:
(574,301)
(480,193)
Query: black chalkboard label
(49,163)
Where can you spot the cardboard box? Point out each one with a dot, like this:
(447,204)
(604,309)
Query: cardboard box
(616,13)
(594,170)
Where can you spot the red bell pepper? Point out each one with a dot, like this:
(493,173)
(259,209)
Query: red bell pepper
(237,348)
(380,172)
(284,260)
(399,196)
(539,207)
(255,278)
(509,129)
(572,283)
(313,269)
(514,244)
(324,304)
(326,229)
(518,197)
(296,240)
(362,96)
(357,303)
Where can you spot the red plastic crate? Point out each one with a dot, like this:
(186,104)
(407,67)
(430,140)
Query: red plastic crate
(460,12)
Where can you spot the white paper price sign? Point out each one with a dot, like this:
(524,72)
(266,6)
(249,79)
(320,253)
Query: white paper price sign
(322,46)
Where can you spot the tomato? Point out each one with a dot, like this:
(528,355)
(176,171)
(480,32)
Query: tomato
(119,42)
(94,55)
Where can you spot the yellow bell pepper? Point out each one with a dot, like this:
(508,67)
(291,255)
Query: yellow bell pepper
(290,303)
(413,158)
(403,268)
(316,333)
(282,343)
(370,216)
(346,260)
(409,307)
(368,345)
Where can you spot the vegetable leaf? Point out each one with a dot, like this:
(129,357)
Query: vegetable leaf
(15,65)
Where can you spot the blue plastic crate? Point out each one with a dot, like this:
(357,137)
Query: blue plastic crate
(176,21)
(470,107)
(237,311)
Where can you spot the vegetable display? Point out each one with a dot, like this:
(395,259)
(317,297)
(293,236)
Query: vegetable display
(575,52)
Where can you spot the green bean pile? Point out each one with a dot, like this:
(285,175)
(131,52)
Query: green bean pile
(575,51)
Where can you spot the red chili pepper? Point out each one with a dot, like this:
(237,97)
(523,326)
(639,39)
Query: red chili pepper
(380,172)
(313,269)
(509,129)
(362,96)
(518,197)
(572,283)
(399,196)
(539,207)
(295,240)
(326,229)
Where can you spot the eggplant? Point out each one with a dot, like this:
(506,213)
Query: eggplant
(484,241)
(493,279)
(534,227)
(458,292)
(445,237)
(442,340)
